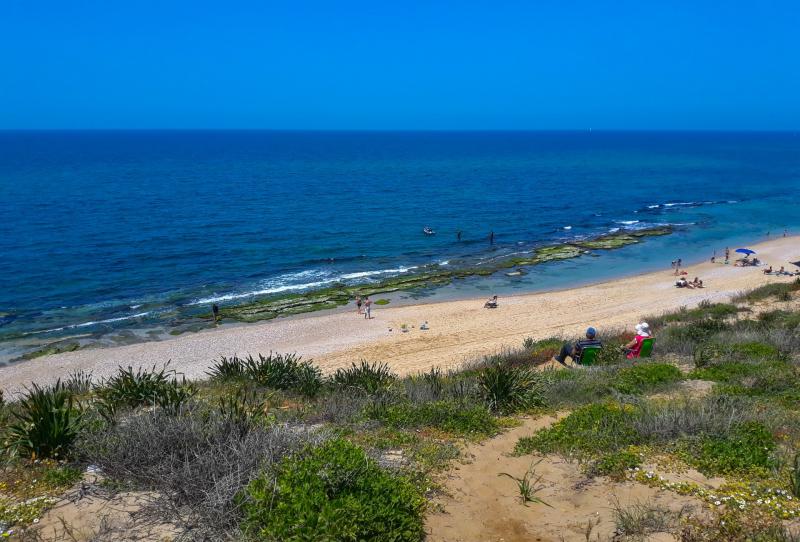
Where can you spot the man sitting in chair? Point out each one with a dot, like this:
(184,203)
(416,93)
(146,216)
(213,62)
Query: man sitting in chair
(574,350)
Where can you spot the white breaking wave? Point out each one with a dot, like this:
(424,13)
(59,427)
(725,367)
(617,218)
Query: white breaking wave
(567,227)
(279,284)
(362,274)
(627,222)
(91,323)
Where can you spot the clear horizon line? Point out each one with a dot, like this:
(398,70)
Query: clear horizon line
(156,129)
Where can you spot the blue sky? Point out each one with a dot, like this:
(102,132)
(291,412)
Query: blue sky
(400,65)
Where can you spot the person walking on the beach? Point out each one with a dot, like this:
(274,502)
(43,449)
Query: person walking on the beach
(358,304)
(727,254)
(367,308)
(215,311)
(491,237)
(784,232)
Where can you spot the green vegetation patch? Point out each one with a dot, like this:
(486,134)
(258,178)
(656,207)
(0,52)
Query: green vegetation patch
(382,301)
(747,449)
(590,429)
(646,377)
(333,492)
(450,416)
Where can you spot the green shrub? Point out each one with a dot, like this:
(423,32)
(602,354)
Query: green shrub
(333,492)
(507,389)
(590,429)
(776,289)
(451,416)
(45,423)
(645,377)
(79,382)
(284,372)
(129,389)
(368,377)
(615,464)
(749,447)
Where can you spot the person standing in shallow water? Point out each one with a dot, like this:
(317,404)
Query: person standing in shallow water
(491,237)
(458,235)
(215,312)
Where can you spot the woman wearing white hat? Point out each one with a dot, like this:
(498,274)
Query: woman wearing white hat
(634,348)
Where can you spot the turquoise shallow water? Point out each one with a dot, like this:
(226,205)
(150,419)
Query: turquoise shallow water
(118,236)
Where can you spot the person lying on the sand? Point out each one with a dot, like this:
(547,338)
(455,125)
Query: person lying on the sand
(681,283)
(768,270)
(574,350)
(491,303)
(697,283)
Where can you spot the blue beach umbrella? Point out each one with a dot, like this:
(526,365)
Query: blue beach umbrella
(745,251)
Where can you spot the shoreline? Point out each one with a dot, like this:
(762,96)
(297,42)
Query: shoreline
(460,330)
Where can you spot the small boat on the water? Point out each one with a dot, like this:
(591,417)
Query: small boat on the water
(428,231)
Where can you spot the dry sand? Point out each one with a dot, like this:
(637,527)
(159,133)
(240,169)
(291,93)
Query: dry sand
(459,330)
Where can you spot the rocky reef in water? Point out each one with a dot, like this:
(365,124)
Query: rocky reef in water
(340,294)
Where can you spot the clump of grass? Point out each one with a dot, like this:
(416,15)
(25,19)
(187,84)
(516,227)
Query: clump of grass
(645,518)
(507,389)
(284,372)
(79,382)
(368,377)
(45,423)
(131,389)
(528,485)
(227,369)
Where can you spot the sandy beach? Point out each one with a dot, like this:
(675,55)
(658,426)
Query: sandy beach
(460,331)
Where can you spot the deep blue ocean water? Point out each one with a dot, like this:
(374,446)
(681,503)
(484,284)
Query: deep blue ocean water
(122,233)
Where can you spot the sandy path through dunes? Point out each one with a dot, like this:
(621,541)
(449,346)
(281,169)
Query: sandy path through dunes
(459,330)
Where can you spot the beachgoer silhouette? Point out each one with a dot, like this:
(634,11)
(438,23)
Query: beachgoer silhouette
(491,238)
(215,310)
(458,235)
(367,308)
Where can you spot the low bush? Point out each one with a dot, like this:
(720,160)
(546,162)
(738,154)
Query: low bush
(747,448)
(45,422)
(735,526)
(641,519)
(333,492)
(589,430)
(615,464)
(574,388)
(450,416)
(663,421)
(196,463)
(794,476)
(645,377)
(506,389)
(368,377)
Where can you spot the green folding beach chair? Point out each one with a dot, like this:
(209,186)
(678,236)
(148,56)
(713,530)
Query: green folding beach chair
(647,348)
(589,355)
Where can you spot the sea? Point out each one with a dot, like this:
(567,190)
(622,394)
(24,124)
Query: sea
(112,237)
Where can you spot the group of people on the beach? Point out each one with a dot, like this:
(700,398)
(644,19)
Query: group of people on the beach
(364,306)
(683,283)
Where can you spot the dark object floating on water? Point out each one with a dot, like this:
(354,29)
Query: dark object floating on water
(428,231)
